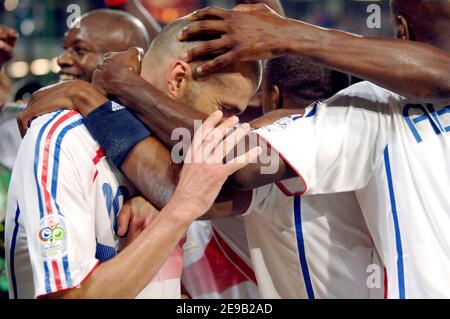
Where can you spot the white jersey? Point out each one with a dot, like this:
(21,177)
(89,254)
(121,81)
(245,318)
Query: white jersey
(395,154)
(62,206)
(217,262)
(310,246)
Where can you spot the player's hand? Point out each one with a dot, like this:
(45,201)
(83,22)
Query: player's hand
(204,171)
(71,95)
(247,33)
(117,69)
(8,40)
(135,215)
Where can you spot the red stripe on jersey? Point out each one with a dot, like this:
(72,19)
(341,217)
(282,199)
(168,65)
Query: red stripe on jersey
(56,275)
(95,175)
(385,284)
(98,156)
(241,265)
(46,158)
(216,271)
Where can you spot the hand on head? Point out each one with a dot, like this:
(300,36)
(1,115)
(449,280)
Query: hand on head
(204,171)
(116,67)
(246,33)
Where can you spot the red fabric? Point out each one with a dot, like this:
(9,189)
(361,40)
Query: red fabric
(115,3)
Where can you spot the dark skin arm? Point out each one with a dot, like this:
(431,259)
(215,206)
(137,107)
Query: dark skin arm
(275,5)
(148,165)
(256,32)
(162,115)
(151,170)
(136,8)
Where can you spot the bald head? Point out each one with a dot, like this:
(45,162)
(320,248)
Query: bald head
(115,30)
(95,34)
(229,89)
(425,21)
(166,48)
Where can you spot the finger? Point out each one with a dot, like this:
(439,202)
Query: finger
(201,28)
(201,133)
(206,48)
(136,226)
(216,64)
(209,12)
(151,214)
(243,160)
(217,135)
(228,144)
(123,219)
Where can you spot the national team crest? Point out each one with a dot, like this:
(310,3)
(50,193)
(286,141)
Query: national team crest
(52,236)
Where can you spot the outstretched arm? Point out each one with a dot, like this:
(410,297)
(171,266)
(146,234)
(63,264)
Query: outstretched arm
(256,32)
(275,5)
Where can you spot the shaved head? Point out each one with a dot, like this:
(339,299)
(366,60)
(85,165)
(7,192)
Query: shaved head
(424,20)
(95,34)
(166,48)
(228,90)
(115,30)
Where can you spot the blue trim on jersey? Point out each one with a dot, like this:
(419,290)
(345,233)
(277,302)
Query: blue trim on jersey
(104,253)
(36,161)
(61,136)
(398,239)
(12,252)
(54,188)
(301,247)
(65,261)
(312,112)
(121,191)
(48,287)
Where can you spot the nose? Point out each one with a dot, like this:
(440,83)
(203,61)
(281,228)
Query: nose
(65,59)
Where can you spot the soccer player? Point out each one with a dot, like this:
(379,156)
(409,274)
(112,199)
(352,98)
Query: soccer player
(251,175)
(307,246)
(58,241)
(280,279)
(392,150)
(84,196)
(84,47)
(366,139)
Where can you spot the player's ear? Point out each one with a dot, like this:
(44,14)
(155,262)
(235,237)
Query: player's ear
(401,28)
(275,97)
(179,79)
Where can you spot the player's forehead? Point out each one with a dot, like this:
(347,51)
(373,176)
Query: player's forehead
(80,33)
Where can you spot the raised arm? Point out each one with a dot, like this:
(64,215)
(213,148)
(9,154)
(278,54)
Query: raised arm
(200,182)
(257,32)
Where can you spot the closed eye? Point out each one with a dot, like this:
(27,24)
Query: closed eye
(229,110)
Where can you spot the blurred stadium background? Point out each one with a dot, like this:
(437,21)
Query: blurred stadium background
(42,25)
